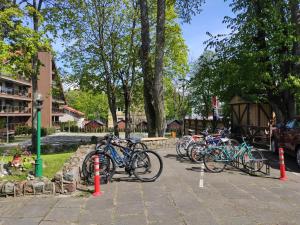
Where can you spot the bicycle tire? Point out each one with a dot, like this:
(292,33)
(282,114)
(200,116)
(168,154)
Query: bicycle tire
(215,160)
(247,159)
(142,160)
(197,152)
(180,149)
(107,167)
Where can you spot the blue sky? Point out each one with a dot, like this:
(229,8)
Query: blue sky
(209,20)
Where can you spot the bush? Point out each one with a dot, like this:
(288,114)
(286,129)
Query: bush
(51,130)
(23,130)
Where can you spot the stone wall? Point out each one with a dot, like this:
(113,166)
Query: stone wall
(64,182)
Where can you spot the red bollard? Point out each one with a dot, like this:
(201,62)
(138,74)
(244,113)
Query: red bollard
(97,190)
(283,176)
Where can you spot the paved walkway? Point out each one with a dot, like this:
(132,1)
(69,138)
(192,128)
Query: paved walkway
(231,197)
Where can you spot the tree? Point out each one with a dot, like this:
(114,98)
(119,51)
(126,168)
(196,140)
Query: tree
(19,44)
(257,60)
(94,105)
(202,84)
(103,47)
(153,77)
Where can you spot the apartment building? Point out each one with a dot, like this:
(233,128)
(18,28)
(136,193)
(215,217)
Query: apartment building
(16,96)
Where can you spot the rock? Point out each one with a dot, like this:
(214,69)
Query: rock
(9,188)
(30,177)
(69,176)
(70,187)
(49,186)
(38,186)
(19,187)
(58,176)
(28,187)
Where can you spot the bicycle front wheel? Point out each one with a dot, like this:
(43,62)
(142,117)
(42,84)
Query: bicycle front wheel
(215,160)
(147,165)
(197,152)
(106,165)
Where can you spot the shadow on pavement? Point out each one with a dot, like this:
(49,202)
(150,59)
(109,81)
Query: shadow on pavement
(290,161)
(179,159)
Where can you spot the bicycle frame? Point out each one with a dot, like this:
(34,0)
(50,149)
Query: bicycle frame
(244,147)
(119,160)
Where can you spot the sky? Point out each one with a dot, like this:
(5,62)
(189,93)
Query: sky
(209,20)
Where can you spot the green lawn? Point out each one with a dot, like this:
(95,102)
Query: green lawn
(52,163)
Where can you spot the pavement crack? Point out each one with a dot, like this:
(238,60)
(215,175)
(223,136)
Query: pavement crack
(144,203)
(115,203)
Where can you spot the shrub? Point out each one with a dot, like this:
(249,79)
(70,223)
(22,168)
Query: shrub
(23,130)
(51,130)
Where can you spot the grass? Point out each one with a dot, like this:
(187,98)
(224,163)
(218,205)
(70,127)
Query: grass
(52,163)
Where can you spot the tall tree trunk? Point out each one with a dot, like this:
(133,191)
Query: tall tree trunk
(147,69)
(158,77)
(111,96)
(127,103)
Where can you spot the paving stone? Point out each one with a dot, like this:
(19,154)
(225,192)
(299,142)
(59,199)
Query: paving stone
(100,217)
(20,221)
(69,202)
(34,211)
(63,215)
(56,223)
(131,220)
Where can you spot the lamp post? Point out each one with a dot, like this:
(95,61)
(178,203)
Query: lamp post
(38,161)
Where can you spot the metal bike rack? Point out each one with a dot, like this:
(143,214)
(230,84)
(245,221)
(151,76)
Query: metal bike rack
(251,169)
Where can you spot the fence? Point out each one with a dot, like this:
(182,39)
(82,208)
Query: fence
(199,125)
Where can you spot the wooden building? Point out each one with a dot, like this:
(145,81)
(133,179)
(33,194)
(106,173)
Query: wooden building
(250,119)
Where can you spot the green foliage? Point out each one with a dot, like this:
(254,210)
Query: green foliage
(202,84)
(18,43)
(257,59)
(26,130)
(93,105)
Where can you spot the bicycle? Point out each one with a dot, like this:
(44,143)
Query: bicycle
(218,157)
(136,161)
(183,144)
(87,167)
(197,150)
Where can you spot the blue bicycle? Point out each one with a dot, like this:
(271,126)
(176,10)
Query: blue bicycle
(137,160)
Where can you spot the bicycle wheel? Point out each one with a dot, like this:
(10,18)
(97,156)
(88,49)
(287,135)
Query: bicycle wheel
(107,167)
(147,165)
(215,160)
(86,164)
(181,148)
(253,159)
(197,152)
(85,168)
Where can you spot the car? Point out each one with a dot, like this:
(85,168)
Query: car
(287,136)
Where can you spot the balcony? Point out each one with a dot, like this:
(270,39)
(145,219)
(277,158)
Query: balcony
(12,93)
(8,110)
(16,79)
